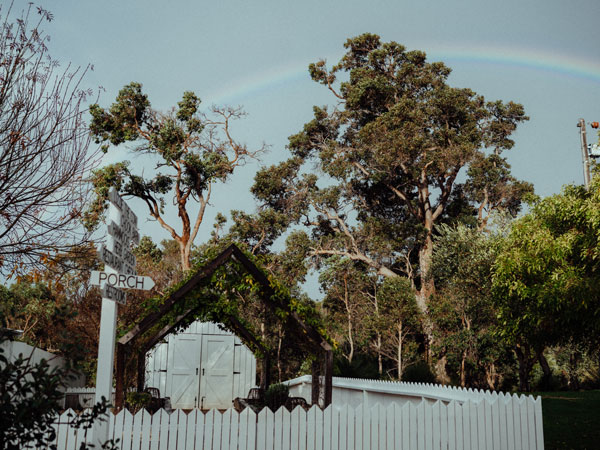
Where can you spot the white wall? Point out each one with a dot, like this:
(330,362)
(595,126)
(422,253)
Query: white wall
(12,350)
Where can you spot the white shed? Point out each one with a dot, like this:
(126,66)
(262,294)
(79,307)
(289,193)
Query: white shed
(202,367)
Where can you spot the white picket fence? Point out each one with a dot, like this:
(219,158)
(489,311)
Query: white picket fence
(506,422)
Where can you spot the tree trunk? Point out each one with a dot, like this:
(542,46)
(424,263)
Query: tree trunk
(400,350)
(379,356)
(427,282)
(463,376)
(491,376)
(525,365)
(545,368)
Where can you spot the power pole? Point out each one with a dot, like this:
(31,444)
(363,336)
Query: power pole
(584,153)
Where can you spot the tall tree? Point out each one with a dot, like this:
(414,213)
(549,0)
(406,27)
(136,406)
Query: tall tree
(43,145)
(194,152)
(391,150)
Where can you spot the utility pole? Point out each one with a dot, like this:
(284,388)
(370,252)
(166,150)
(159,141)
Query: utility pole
(584,153)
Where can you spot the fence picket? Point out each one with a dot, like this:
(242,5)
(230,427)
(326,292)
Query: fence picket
(278,428)
(295,428)
(522,405)
(428,426)
(127,430)
(472,421)
(480,427)
(243,441)
(286,431)
(164,430)
(155,431)
(436,425)
(539,429)
(261,429)
(251,430)
(351,429)
(190,431)
(311,427)
(451,412)
(343,435)
(146,430)
(302,418)
(466,423)
(390,415)
(411,426)
(136,430)
(489,437)
(175,419)
(62,430)
(358,429)
(209,429)
(71,433)
(226,419)
(443,426)
(397,427)
(269,429)
(217,430)
(531,422)
(516,418)
(374,427)
(319,429)
(510,424)
(328,432)
(495,414)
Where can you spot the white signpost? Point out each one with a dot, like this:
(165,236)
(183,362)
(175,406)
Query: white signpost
(118,274)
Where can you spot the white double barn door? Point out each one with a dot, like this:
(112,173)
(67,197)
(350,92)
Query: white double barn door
(201,369)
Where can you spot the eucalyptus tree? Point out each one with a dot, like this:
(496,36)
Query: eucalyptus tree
(390,151)
(193,151)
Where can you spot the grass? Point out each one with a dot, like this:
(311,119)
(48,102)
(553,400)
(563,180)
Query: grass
(571,419)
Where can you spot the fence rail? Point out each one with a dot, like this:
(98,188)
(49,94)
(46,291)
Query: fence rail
(505,422)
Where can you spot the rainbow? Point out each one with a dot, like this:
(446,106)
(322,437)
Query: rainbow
(534,59)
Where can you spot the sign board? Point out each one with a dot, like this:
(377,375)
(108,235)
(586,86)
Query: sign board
(121,281)
(114,294)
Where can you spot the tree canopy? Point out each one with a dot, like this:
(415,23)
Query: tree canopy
(391,150)
(192,151)
(547,274)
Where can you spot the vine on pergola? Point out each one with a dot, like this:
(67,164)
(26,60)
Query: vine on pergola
(221,286)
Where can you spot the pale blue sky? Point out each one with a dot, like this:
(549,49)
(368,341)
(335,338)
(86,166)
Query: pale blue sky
(542,53)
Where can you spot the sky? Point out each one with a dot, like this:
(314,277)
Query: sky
(544,54)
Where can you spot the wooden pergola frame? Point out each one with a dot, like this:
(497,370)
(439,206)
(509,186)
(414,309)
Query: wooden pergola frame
(322,369)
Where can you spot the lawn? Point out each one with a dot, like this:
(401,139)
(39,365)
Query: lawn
(571,419)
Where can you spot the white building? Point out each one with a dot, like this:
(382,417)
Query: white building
(202,367)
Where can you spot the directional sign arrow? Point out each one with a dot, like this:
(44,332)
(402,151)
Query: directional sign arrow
(121,280)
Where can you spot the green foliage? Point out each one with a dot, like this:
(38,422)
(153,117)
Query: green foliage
(29,404)
(463,310)
(363,365)
(419,373)
(137,400)
(193,151)
(546,279)
(276,395)
(390,152)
